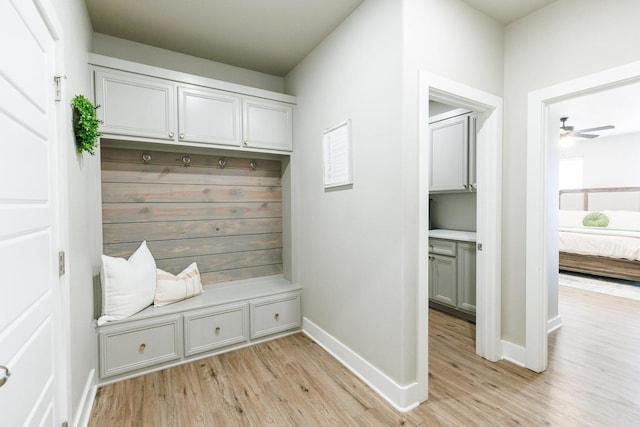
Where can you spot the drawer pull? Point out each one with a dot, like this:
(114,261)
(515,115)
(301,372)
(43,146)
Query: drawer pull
(277,316)
(217,330)
(142,347)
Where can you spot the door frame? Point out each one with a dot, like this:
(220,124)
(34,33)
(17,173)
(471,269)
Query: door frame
(59,198)
(539,199)
(489,213)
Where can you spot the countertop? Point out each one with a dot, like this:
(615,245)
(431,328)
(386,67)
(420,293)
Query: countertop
(461,236)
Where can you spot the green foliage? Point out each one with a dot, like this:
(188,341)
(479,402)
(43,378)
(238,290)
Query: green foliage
(85,124)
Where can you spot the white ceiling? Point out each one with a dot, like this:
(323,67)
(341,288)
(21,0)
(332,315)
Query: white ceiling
(619,107)
(507,11)
(273,36)
(270,36)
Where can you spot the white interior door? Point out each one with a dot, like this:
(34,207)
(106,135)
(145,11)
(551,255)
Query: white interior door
(28,239)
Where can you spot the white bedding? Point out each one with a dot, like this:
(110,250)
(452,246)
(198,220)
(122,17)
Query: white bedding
(600,241)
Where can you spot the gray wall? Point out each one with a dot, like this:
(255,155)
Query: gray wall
(456,211)
(132,51)
(608,161)
(356,249)
(543,49)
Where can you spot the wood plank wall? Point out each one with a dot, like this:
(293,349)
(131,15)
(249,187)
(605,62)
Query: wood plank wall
(228,220)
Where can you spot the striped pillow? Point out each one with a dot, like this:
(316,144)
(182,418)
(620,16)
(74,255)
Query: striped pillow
(170,288)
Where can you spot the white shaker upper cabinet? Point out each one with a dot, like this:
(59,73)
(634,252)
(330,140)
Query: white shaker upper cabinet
(449,155)
(209,116)
(267,125)
(135,105)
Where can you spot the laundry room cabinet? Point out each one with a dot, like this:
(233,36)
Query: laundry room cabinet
(452,276)
(134,106)
(453,154)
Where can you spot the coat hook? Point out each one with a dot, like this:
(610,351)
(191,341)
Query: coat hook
(222,163)
(253,164)
(186,160)
(146,157)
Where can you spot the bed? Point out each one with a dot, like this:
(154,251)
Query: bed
(608,246)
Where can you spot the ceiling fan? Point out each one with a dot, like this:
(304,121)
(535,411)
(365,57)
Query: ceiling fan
(582,133)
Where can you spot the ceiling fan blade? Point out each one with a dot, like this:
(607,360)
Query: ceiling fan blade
(597,129)
(585,135)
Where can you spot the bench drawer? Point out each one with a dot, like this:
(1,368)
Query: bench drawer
(277,314)
(138,346)
(215,328)
(442,247)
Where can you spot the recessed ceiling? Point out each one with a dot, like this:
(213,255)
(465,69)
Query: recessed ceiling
(507,11)
(267,36)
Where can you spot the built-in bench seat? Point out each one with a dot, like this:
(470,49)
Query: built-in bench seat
(226,316)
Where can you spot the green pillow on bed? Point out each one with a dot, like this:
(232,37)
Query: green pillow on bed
(595,219)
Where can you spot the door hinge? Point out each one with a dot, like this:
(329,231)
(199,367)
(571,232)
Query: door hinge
(479,246)
(57,84)
(61,263)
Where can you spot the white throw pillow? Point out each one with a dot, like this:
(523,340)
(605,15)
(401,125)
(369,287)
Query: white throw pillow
(571,218)
(128,286)
(170,288)
(624,220)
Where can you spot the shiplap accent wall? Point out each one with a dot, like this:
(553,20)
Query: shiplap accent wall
(228,220)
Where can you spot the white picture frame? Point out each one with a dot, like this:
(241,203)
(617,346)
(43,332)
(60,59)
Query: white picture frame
(337,155)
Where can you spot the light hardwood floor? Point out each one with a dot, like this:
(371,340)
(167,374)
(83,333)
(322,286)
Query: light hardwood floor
(593,380)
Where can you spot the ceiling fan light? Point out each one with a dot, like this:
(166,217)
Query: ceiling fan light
(567,141)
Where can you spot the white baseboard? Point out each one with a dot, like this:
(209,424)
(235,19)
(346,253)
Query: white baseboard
(403,398)
(514,353)
(553,324)
(83,413)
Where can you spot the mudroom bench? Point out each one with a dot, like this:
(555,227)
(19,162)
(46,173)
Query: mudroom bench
(227,316)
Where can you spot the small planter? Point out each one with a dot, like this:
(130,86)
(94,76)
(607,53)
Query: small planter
(85,124)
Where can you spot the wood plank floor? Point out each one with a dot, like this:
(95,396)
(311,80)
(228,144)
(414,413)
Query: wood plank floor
(593,380)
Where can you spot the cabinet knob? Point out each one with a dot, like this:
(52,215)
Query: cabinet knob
(217,330)
(246,142)
(170,134)
(182,136)
(142,347)
(277,316)
(466,186)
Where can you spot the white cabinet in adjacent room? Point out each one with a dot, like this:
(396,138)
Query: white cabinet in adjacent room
(208,116)
(442,279)
(452,276)
(135,105)
(466,266)
(453,154)
(267,125)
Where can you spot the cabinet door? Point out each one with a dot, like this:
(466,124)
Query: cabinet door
(267,125)
(466,260)
(208,329)
(135,105)
(208,116)
(442,279)
(449,154)
(275,314)
(473,179)
(139,345)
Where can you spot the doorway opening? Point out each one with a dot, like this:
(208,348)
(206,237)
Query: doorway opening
(488,221)
(543,202)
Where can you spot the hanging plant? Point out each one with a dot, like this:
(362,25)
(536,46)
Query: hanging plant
(85,124)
